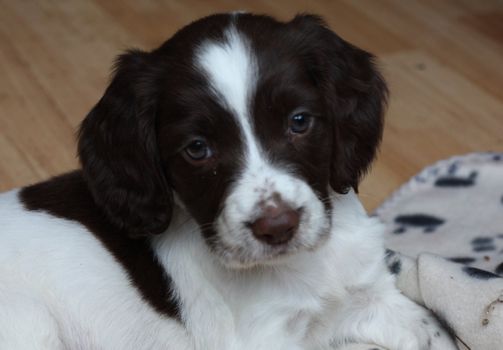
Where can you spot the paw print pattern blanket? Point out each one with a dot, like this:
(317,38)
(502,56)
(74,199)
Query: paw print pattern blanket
(445,240)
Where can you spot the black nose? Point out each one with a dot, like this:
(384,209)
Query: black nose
(277,225)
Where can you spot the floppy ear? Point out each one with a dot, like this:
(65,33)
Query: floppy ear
(119,153)
(355,96)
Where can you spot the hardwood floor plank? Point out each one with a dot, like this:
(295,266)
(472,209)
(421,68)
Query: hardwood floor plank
(441,124)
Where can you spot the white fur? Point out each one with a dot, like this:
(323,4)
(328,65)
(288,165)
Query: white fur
(60,289)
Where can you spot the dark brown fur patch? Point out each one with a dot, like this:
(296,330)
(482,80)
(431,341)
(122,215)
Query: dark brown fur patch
(67,197)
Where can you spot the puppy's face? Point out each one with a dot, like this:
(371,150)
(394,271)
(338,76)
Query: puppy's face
(242,118)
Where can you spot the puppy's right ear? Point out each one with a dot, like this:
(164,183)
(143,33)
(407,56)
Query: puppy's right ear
(119,153)
(355,95)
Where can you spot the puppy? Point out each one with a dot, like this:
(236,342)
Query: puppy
(215,207)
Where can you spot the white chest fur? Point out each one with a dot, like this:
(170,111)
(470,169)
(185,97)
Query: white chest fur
(291,305)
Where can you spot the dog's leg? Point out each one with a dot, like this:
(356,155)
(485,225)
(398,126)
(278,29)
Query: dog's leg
(382,315)
(369,308)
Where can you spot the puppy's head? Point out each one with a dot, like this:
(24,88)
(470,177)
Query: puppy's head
(247,121)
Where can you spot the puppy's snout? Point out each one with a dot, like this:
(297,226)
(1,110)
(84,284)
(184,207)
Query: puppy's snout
(277,225)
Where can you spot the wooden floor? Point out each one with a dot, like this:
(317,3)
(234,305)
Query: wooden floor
(443,60)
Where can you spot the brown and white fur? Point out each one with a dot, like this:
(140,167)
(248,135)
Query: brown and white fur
(216,205)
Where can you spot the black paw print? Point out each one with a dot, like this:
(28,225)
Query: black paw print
(428,223)
(457,181)
(483,244)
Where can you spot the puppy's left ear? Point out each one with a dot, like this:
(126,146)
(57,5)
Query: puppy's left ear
(355,96)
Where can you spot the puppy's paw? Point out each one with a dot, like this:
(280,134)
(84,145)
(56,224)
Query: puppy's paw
(438,338)
(396,323)
(414,328)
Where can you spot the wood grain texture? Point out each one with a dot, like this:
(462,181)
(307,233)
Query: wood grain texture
(442,58)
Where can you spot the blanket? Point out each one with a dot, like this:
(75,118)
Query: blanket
(445,240)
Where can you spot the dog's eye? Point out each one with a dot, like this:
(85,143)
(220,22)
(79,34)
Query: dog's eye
(299,123)
(198,150)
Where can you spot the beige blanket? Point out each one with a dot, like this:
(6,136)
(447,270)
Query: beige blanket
(453,209)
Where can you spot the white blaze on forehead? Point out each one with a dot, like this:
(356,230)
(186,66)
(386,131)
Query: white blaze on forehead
(231,68)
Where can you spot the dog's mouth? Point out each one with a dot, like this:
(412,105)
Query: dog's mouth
(240,258)
(243,250)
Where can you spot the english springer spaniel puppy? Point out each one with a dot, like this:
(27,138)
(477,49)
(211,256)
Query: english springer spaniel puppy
(216,205)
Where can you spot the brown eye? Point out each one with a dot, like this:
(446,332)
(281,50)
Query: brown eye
(198,150)
(299,123)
